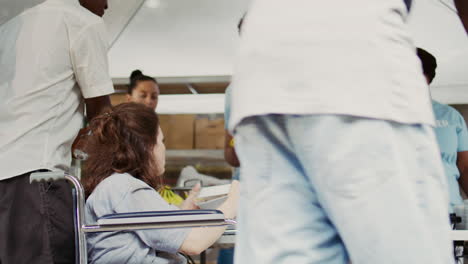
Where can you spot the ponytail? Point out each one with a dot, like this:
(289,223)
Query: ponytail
(136,77)
(122,141)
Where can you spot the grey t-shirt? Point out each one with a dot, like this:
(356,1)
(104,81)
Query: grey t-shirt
(122,193)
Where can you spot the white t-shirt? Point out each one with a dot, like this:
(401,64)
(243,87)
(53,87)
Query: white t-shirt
(329,57)
(51,57)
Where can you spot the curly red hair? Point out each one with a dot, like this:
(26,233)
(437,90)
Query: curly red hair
(122,141)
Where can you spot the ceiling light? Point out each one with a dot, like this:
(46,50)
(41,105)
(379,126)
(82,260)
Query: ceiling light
(153,3)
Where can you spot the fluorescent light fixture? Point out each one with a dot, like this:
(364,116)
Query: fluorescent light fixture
(153,3)
(191,104)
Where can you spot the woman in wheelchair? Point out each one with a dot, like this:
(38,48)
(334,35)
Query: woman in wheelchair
(126,158)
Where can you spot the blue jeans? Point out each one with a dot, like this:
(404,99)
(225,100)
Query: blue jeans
(226,256)
(330,189)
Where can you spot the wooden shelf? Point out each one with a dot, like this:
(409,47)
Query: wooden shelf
(205,161)
(212,154)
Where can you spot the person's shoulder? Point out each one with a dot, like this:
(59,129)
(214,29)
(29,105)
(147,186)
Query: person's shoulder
(72,15)
(110,192)
(87,17)
(123,181)
(451,113)
(444,108)
(71,10)
(116,187)
(436,104)
(75,16)
(83,17)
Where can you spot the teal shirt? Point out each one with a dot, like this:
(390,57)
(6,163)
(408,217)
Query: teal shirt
(227,115)
(227,107)
(452,136)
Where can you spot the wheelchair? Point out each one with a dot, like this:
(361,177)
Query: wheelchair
(127,221)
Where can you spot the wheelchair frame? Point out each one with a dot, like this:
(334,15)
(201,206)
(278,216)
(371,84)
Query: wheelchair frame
(81,228)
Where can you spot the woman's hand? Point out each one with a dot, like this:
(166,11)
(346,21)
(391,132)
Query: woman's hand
(199,239)
(229,207)
(234,191)
(190,202)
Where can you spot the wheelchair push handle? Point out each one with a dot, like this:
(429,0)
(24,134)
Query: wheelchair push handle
(47,176)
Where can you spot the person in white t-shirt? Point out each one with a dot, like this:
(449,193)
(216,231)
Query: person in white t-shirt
(462,8)
(339,160)
(54,61)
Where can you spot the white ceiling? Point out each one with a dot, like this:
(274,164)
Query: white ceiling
(117,16)
(199,38)
(11,8)
(187,38)
(179,38)
(437,28)
(191,103)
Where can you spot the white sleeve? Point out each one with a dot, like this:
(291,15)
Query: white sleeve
(90,61)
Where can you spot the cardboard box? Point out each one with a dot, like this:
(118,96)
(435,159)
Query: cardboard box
(178,131)
(118,98)
(209,134)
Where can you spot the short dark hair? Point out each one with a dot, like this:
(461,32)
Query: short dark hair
(136,77)
(429,63)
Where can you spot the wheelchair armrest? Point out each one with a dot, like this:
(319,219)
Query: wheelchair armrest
(46,176)
(163,217)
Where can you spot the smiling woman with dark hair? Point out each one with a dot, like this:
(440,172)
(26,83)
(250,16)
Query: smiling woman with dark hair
(143,89)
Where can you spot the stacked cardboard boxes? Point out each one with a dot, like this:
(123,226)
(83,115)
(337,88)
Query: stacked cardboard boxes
(192,132)
(184,132)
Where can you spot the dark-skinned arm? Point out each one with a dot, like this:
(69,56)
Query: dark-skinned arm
(97,105)
(229,152)
(94,106)
(462,7)
(462,164)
